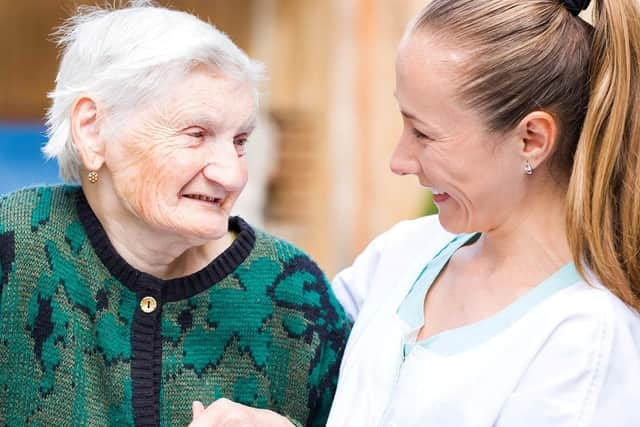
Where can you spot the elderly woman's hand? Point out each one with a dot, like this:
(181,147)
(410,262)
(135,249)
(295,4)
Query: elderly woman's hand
(225,413)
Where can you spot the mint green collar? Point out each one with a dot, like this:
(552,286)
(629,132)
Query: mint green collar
(457,340)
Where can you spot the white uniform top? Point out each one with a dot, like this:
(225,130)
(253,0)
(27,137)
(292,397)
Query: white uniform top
(563,354)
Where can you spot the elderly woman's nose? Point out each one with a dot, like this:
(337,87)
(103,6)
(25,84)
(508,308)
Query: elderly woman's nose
(225,167)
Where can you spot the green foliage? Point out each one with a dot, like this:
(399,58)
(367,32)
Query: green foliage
(429,208)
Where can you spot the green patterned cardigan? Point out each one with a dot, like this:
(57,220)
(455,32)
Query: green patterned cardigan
(80,344)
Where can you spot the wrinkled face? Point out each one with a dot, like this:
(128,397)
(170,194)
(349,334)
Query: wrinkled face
(475,175)
(179,165)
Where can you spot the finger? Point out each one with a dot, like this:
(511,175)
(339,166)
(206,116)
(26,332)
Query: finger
(197,408)
(213,415)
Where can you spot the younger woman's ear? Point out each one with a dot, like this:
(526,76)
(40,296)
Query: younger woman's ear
(85,131)
(539,134)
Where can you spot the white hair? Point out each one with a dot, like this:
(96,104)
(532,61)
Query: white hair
(125,57)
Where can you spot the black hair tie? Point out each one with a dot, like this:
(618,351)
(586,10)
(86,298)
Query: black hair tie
(576,6)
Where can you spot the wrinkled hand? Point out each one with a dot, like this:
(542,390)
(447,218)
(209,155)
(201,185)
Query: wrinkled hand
(225,413)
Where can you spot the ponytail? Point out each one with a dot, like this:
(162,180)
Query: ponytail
(603,217)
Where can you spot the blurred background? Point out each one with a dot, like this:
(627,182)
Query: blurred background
(319,173)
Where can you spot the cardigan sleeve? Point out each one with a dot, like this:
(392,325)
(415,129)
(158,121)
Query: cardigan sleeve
(7,258)
(333,328)
(326,373)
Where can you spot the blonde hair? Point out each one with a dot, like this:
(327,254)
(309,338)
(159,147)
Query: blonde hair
(604,192)
(535,55)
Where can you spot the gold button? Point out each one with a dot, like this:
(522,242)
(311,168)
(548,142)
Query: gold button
(148,304)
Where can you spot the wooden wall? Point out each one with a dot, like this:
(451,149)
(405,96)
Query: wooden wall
(29,56)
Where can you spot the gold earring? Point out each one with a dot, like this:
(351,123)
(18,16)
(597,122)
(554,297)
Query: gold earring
(93,177)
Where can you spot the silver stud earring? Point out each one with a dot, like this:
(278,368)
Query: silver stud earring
(527,168)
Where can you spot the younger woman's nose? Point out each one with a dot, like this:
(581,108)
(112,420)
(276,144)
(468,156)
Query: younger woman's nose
(403,161)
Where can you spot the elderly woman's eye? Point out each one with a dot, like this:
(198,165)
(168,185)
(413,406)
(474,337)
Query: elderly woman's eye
(196,133)
(241,145)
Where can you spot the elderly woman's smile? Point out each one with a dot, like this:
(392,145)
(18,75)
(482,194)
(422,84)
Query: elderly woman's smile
(203,198)
(179,166)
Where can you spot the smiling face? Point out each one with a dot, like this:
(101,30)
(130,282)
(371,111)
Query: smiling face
(179,165)
(475,174)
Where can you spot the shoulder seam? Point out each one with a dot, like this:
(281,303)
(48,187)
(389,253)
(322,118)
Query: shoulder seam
(597,377)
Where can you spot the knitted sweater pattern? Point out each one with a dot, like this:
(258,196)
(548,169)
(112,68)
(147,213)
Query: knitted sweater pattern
(259,325)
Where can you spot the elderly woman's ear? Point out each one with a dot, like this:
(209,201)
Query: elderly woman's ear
(85,129)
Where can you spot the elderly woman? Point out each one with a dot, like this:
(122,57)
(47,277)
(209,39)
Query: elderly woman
(129,297)
(517,305)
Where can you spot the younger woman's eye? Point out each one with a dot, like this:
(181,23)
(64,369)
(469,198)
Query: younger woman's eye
(419,135)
